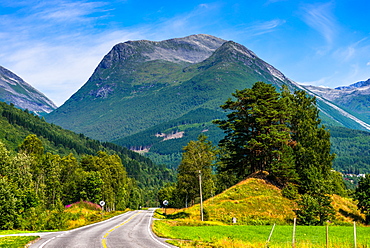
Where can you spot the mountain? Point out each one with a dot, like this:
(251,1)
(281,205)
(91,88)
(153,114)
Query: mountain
(140,84)
(355,98)
(355,85)
(156,96)
(15,90)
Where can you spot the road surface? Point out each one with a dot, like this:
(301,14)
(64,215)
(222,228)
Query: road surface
(129,230)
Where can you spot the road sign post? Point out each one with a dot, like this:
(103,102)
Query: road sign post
(165,203)
(102,203)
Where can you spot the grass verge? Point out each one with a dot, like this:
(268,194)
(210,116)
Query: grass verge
(16,241)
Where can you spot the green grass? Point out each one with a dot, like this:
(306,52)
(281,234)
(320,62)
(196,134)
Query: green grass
(16,241)
(256,236)
(6,232)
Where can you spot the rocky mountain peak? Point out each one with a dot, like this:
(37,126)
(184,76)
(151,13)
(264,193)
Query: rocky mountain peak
(190,49)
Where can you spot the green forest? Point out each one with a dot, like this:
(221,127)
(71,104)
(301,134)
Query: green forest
(44,167)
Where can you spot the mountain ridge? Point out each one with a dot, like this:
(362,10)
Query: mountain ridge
(15,90)
(126,77)
(355,98)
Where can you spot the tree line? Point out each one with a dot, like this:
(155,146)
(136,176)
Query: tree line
(33,182)
(16,124)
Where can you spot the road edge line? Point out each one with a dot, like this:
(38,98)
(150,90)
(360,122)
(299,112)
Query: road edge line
(151,233)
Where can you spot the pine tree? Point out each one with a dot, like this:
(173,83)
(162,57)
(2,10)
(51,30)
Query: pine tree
(313,157)
(256,132)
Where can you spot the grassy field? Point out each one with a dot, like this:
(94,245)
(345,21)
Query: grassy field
(16,241)
(256,236)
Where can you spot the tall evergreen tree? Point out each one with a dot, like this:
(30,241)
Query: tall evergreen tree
(280,133)
(313,158)
(256,131)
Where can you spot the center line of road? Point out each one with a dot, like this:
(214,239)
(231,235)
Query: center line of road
(104,240)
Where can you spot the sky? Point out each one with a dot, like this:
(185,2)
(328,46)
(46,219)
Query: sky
(56,45)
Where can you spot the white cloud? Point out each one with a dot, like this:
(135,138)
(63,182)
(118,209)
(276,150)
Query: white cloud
(320,18)
(260,28)
(352,51)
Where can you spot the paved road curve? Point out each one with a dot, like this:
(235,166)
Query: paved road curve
(129,230)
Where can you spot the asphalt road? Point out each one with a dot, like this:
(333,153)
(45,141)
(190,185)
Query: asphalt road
(129,230)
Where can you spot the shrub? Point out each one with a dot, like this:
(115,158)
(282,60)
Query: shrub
(84,204)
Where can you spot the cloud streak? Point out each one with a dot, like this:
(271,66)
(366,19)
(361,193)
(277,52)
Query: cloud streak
(320,18)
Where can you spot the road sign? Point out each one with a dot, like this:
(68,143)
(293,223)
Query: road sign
(165,202)
(102,203)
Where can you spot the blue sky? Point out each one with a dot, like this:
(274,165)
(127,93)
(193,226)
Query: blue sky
(56,45)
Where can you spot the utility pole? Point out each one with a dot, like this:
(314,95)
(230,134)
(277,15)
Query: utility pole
(201,196)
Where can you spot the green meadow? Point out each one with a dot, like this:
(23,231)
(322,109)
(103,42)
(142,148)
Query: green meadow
(257,236)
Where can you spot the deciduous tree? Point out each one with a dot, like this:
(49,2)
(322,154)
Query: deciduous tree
(198,157)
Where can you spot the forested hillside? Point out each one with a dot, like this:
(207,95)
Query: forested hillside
(16,125)
(352,149)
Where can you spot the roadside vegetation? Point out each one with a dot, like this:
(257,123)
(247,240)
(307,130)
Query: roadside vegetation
(15,241)
(257,206)
(73,216)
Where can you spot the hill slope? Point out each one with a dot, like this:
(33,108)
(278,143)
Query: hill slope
(255,201)
(16,91)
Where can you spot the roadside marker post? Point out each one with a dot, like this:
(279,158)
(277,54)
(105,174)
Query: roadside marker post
(293,239)
(327,234)
(354,235)
(268,240)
